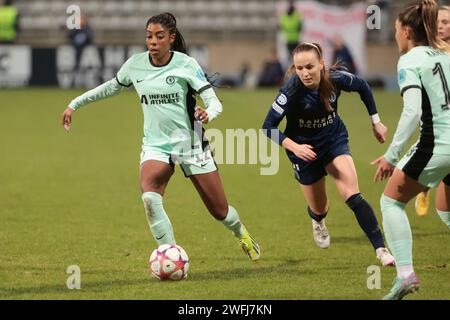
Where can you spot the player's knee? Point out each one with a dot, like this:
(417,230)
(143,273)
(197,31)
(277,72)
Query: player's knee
(219,210)
(152,185)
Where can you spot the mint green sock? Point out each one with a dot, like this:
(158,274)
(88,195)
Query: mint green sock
(397,230)
(157,218)
(233,222)
(445,217)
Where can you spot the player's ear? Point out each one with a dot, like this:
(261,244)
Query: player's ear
(172,37)
(321,64)
(407,33)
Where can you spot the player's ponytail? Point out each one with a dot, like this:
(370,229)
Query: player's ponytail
(169,22)
(422,19)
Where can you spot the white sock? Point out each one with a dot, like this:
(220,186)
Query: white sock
(233,222)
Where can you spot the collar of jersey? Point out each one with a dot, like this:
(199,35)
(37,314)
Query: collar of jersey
(168,61)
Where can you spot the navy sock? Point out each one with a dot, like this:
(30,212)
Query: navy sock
(316,217)
(367,219)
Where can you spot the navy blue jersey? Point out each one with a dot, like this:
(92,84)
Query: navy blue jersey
(308,121)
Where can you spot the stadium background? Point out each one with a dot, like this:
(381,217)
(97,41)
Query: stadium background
(74,199)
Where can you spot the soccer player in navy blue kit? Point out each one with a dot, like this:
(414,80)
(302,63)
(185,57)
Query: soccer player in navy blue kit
(316,140)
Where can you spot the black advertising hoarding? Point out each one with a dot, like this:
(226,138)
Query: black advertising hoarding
(62,66)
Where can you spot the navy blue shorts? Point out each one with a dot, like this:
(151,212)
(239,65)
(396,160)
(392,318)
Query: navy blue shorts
(310,172)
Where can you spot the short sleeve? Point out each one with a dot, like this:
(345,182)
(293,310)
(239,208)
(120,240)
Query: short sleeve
(123,75)
(196,76)
(408,76)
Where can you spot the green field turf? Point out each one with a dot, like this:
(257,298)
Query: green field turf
(74,199)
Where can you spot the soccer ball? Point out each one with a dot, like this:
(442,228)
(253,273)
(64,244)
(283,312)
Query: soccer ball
(169,262)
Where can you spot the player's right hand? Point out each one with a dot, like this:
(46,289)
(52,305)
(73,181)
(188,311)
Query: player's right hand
(67,118)
(380,132)
(384,169)
(304,152)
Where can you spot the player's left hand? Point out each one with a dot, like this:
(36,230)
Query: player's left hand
(380,132)
(384,170)
(201,114)
(66,118)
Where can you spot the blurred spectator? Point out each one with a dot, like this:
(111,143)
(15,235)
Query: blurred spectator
(243,73)
(9,22)
(272,73)
(342,54)
(81,38)
(291,26)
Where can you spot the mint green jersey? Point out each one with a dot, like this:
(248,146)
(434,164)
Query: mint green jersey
(429,70)
(166,95)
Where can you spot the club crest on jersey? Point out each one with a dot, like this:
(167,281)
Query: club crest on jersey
(332,97)
(170,80)
(282,99)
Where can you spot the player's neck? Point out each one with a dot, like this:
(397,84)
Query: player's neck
(162,61)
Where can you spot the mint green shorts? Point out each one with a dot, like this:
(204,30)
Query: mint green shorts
(426,168)
(192,165)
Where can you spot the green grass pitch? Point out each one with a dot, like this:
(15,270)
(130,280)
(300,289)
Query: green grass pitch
(74,199)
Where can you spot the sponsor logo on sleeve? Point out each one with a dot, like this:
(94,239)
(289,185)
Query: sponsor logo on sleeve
(282,99)
(201,75)
(401,76)
(277,108)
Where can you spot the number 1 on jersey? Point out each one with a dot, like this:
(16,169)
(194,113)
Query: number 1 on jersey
(438,69)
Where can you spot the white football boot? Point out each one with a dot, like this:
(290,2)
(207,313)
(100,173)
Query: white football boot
(320,234)
(385,257)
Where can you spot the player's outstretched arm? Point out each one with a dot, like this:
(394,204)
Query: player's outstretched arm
(409,119)
(412,100)
(350,82)
(105,90)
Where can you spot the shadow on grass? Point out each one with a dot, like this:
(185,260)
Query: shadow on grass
(253,270)
(360,238)
(285,268)
(86,287)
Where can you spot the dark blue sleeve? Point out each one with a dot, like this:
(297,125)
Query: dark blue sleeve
(273,119)
(349,82)
(278,110)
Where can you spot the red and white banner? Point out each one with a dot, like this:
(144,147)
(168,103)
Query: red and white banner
(321,23)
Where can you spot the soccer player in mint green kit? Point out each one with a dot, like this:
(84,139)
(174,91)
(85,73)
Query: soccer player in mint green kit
(423,199)
(166,79)
(424,78)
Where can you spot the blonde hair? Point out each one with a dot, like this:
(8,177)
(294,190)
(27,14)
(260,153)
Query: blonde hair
(422,19)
